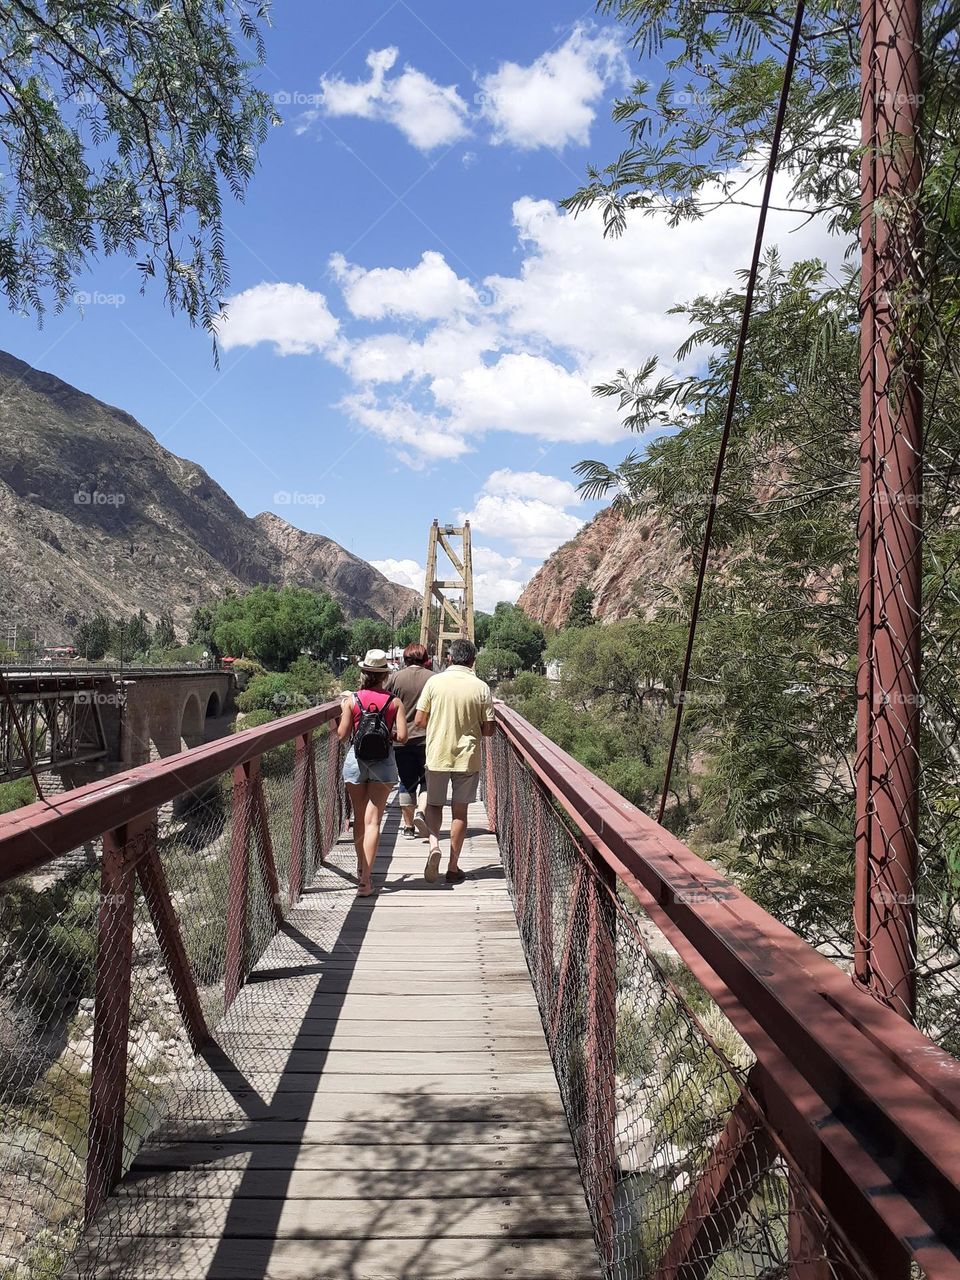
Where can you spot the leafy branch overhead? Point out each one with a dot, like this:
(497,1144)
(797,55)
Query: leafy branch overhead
(121,124)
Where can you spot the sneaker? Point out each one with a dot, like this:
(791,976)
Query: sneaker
(432,869)
(409,833)
(455,877)
(420,823)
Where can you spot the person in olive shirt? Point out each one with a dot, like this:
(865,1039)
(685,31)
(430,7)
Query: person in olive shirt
(407,684)
(456,710)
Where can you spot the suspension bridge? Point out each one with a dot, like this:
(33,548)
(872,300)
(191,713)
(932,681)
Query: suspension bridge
(597,1057)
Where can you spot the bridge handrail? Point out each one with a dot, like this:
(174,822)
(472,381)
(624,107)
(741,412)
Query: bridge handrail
(38,833)
(868,1105)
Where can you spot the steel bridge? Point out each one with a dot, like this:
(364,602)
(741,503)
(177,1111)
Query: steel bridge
(51,718)
(596,1057)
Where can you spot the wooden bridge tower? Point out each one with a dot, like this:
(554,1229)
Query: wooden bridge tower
(446,617)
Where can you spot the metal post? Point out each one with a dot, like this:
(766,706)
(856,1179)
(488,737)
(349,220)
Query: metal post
(238,888)
(888,689)
(600,1050)
(111,1020)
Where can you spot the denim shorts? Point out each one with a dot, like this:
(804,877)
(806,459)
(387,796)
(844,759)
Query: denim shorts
(360,771)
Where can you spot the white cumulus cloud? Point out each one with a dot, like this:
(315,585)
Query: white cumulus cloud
(431,290)
(406,572)
(496,577)
(428,114)
(294,318)
(531,484)
(532,527)
(416,438)
(553,102)
(528,394)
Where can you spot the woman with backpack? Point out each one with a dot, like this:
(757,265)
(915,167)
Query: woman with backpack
(373,719)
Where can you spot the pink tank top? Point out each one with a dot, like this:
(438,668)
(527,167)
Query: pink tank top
(373,700)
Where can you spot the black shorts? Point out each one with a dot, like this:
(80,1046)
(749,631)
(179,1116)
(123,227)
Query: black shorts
(412,768)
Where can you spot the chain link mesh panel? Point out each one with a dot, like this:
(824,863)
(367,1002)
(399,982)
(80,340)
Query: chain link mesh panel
(51,1028)
(682,1175)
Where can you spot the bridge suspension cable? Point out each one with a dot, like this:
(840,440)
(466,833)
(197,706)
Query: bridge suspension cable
(732,396)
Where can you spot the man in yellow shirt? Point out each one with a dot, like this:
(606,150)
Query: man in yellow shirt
(456,710)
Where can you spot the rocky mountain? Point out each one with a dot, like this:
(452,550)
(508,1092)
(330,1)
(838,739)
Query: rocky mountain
(630,566)
(96,514)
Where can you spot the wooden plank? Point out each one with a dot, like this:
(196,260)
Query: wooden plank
(438,1258)
(412,1158)
(363,1066)
(302,1076)
(382,1037)
(375,1133)
(476,1217)
(352,1184)
(500,1099)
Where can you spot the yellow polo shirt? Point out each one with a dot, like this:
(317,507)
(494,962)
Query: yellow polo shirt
(457,703)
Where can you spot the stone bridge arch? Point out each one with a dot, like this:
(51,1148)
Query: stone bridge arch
(166,714)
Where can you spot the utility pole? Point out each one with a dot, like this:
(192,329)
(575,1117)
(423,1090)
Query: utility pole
(890,523)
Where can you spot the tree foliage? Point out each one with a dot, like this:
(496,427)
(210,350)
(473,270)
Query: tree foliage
(92,637)
(164,633)
(511,630)
(274,625)
(496,664)
(121,127)
(581,607)
(368,633)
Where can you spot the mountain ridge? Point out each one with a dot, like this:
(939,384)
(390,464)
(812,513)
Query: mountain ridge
(96,514)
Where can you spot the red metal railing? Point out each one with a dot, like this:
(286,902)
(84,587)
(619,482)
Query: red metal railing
(199,816)
(738,1105)
(827,1129)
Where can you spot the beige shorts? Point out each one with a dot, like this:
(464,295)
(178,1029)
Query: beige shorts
(464,787)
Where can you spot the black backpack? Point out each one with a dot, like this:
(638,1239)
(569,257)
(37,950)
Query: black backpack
(372,738)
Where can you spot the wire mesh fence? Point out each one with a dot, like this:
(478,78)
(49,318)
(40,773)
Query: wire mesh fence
(682,1173)
(114,963)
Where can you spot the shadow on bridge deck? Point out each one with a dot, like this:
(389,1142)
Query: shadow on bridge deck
(381,1103)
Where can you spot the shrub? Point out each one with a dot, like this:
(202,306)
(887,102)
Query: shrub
(350,679)
(14,795)
(312,679)
(271,692)
(254,718)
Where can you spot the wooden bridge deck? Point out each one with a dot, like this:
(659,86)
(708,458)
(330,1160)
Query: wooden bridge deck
(382,1103)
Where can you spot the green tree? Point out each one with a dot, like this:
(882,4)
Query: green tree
(581,607)
(274,691)
(511,629)
(120,127)
(495,664)
(201,630)
(482,623)
(275,625)
(313,680)
(130,637)
(408,629)
(368,633)
(92,637)
(164,633)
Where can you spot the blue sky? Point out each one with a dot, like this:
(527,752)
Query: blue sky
(414,327)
